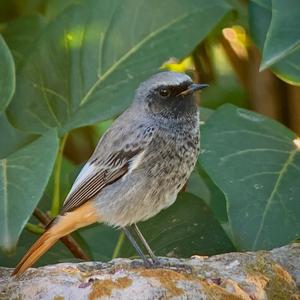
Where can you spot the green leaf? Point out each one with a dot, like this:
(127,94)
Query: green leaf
(274,26)
(202,186)
(23,177)
(20,35)
(226,89)
(7,75)
(214,197)
(186,228)
(88,61)
(68,175)
(14,138)
(100,241)
(283,34)
(256,163)
(55,7)
(205,114)
(197,186)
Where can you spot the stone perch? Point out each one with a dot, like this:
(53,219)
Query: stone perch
(262,275)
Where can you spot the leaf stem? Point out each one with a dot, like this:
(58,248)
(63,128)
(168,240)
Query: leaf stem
(34,228)
(118,245)
(57,175)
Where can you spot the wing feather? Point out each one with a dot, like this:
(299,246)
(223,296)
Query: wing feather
(97,174)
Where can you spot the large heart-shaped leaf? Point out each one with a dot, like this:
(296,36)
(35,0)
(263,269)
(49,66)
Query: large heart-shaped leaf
(21,33)
(186,228)
(210,193)
(12,139)
(88,60)
(274,26)
(202,186)
(7,75)
(256,163)
(100,240)
(23,178)
(284,31)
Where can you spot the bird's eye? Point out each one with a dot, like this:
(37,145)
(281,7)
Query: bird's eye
(164,92)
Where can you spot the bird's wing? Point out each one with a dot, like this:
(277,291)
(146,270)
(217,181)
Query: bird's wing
(97,174)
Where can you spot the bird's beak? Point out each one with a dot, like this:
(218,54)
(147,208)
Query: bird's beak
(192,88)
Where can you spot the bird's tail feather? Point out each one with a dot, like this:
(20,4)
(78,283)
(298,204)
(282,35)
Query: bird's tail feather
(36,251)
(63,225)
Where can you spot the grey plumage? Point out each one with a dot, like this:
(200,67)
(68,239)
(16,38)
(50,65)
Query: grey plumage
(146,157)
(138,167)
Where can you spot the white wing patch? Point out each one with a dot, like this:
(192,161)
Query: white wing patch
(85,172)
(135,161)
(95,175)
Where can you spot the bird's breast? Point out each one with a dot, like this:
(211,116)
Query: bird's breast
(172,156)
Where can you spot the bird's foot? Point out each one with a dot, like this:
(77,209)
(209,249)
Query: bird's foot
(156,263)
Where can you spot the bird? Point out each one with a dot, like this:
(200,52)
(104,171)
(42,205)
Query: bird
(138,167)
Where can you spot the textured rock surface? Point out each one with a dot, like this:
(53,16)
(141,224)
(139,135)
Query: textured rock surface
(252,275)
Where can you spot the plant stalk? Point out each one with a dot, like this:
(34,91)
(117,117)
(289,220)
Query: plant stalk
(118,245)
(57,177)
(34,228)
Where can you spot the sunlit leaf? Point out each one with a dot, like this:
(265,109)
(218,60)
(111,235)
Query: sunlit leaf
(255,161)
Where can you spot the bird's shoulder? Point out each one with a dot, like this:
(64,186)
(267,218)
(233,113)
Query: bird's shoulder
(127,135)
(119,151)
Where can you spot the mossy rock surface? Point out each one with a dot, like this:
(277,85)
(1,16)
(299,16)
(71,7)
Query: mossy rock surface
(252,275)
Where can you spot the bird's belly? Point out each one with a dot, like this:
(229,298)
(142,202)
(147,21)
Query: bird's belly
(139,198)
(145,191)
(164,202)
(128,207)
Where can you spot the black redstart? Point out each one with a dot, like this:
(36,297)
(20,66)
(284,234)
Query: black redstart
(138,167)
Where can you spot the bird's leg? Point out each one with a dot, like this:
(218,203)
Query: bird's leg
(136,246)
(144,242)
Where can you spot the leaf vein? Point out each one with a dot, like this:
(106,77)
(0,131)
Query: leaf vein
(242,152)
(104,37)
(258,174)
(254,133)
(273,193)
(128,54)
(5,200)
(48,102)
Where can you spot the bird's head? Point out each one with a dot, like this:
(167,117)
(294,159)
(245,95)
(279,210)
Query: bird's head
(168,94)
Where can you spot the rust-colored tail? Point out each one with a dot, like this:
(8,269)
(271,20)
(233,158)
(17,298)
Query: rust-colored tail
(63,225)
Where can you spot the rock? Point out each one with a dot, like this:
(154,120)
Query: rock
(248,276)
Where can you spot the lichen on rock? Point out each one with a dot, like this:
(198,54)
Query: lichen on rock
(247,276)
